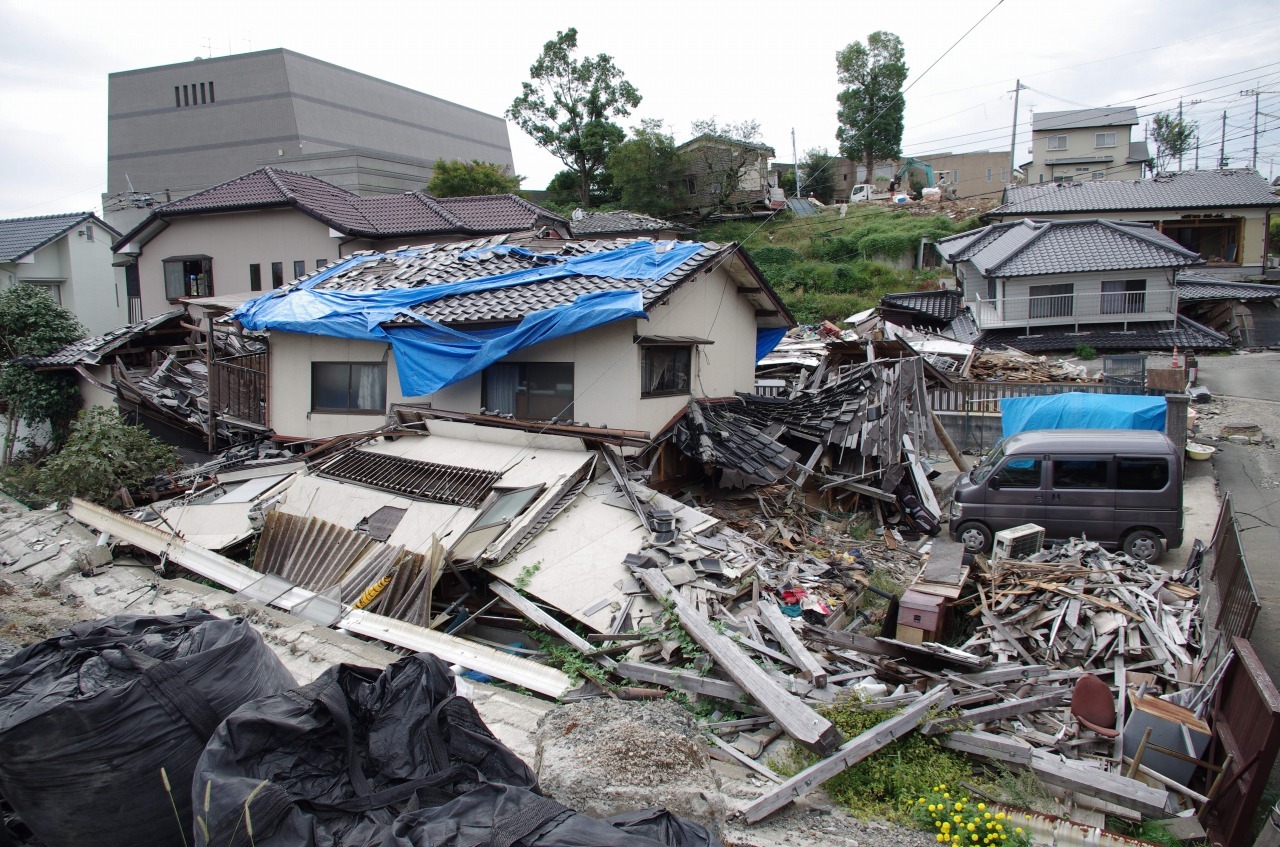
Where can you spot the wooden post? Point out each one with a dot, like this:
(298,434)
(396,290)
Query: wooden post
(947,443)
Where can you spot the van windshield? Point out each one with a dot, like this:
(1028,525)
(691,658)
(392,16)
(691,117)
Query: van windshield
(983,469)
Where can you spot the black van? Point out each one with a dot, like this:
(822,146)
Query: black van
(1119,487)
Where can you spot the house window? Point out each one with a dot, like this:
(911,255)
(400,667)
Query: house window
(349,387)
(1051,301)
(53,289)
(691,185)
(989,174)
(203,99)
(321,264)
(1057,178)
(299,269)
(503,507)
(188,276)
(537,391)
(88,232)
(1104,139)
(1216,239)
(1124,296)
(212,99)
(665,370)
(277,274)
(186,96)
(255,277)
(1057,142)
(1099,175)
(177,97)
(993,288)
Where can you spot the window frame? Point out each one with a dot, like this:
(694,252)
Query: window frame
(299,268)
(1050,302)
(1131,299)
(646,350)
(350,409)
(1057,142)
(522,394)
(277,275)
(485,524)
(1103,136)
(255,276)
(190,287)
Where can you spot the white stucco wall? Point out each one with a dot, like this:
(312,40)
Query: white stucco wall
(1080,142)
(89,286)
(1013,304)
(606,366)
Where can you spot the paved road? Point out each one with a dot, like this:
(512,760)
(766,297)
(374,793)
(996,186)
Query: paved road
(1254,376)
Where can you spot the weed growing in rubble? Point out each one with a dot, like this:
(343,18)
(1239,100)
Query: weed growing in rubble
(527,573)
(955,819)
(574,664)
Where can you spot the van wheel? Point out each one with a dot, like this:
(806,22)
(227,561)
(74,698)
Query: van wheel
(975,537)
(1143,545)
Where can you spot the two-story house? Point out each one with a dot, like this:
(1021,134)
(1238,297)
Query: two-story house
(269,227)
(1053,285)
(1086,144)
(1222,215)
(727,175)
(69,256)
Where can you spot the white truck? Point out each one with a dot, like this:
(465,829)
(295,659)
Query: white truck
(863,192)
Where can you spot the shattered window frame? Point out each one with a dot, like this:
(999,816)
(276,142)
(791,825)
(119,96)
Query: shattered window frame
(495,516)
(666,382)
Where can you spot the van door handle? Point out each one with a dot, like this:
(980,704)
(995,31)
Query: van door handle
(1039,498)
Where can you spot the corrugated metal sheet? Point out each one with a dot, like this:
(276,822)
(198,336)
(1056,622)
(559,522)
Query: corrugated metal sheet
(412,478)
(307,551)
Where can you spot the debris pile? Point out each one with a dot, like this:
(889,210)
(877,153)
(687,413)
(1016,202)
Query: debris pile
(1014,365)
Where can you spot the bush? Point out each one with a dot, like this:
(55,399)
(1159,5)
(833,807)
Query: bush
(775,255)
(102,455)
(1084,351)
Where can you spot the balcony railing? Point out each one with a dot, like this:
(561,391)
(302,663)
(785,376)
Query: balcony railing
(1119,307)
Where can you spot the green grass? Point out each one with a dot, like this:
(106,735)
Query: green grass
(826,268)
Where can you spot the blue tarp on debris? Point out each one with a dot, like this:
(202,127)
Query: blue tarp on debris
(767,338)
(1079,410)
(430,356)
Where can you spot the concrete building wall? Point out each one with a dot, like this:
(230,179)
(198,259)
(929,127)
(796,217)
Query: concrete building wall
(980,173)
(1080,144)
(607,366)
(277,106)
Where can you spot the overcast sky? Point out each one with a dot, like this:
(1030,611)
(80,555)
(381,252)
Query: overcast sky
(769,62)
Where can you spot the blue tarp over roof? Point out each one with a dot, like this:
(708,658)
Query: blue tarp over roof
(429,355)
(1079,410)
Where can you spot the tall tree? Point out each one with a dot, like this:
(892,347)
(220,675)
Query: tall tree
(646,168)
(31,324)
(723,159)
(1173,137)
(871,103)
(471,179)
(818,175)
(569,106)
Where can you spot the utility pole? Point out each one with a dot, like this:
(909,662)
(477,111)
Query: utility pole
(796,157)
(1256,93)
(1013,141)
(1197,150)
(1222,147)
(1179,130)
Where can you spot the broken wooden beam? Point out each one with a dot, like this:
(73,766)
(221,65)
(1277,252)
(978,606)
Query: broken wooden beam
(780,625)
(995,712)
(537,616)
(797,719)
(680,680)
(849,754)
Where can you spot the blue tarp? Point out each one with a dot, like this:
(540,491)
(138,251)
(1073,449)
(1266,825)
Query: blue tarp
(430,356)
(1080,410)
(767,338)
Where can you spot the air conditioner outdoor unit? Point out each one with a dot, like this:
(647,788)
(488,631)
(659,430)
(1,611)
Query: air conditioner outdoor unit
(1018,542)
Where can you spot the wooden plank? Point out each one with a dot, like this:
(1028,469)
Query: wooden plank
(995,712)
(681,681)
(535,615)
(780,626)
(797,719)
(743,759)
(989,746)
(852,752)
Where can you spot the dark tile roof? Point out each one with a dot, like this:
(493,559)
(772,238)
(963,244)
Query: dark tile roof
(1176,191)
(89,351)
(1185,334)
(1035,248)
(826,415)
(433,264)
(388,216)
(1084,118)
(601,223)
(717,433)
(1198,287)
(21,236)
(939,305)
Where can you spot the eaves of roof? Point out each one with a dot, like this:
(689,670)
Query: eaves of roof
(72,221)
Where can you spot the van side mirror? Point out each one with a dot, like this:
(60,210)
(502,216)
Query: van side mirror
(994,483)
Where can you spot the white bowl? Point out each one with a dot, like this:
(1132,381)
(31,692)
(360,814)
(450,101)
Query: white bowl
(1200,452)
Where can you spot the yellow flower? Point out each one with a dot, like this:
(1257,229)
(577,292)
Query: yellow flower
(946,796)
(975,838)
(999,816)
(1018,829)
(941,837)
(921,800)
(986,816)
(959,806)
(946,826)
(933,807)
(982,807)
(969,827)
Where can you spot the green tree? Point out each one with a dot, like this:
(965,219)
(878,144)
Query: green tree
(569,106)
(1173,137)
(103,455)
(871,104)
(31,324)
(471,179)
(645,170)
(818,175)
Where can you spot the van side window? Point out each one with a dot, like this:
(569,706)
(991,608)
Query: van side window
(1019,473)
(1080,473)
(1142,474)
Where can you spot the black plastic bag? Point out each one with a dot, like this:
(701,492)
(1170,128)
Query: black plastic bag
(90,717)
(368,758)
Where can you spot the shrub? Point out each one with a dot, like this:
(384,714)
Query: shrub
(775,255)
(102,455)
(955,819)
(1084,351)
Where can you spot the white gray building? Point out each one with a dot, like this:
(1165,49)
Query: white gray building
(173,130)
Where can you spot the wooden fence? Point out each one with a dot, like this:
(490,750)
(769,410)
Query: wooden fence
(975,396)
(238,387)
